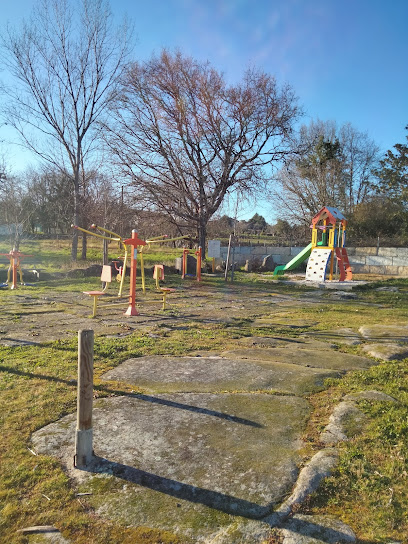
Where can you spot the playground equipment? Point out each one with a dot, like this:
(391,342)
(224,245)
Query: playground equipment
(198,253)
(332,244)
(134,242)
(156,240)
(158,274)
(113,237)
(296,261)
(106,277)
(15,258)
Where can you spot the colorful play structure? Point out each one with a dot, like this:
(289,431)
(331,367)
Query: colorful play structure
(14,269)
(331,247)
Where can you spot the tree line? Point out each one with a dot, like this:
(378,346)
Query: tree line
(163,143)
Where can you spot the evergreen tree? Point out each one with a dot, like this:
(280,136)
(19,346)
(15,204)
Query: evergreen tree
(393,173)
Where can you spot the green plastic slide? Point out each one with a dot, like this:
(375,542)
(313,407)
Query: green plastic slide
(296,261)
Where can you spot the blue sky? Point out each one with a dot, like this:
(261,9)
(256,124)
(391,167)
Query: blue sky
(346,59)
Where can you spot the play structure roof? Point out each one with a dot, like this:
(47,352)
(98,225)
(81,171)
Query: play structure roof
(332,214)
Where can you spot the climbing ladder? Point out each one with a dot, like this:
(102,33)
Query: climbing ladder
(343,264)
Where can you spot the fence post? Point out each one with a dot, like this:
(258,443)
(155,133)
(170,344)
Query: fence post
(84,432)
(228,258)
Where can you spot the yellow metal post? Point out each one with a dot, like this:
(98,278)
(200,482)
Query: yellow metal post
(95,302)
(314,237)
(142,270)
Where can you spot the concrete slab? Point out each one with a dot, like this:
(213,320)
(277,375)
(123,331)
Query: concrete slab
(236,371)
(291,354)
(188,463)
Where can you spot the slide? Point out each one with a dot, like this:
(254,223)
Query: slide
(296,261)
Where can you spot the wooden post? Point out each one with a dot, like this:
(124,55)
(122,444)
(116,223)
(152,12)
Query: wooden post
(233,261)
(228,258)
(84,432)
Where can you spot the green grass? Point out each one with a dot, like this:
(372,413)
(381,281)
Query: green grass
(368,489)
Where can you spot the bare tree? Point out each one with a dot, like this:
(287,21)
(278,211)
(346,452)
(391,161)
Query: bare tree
(15,207)
(185,139)
(66,62)
(332,167)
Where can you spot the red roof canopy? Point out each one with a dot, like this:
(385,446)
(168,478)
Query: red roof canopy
(332,214)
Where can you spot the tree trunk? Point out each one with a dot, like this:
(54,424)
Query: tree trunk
(17,238)
(202,234)
(74,247)
(84,246)
(105,252)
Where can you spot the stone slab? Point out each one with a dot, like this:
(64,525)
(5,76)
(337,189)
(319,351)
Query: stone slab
(280,341)
(235,371)
(333,360)
(385,333)
(47,538)
(375,396)
(386,351)
(343,335)
(303,529)
(345,421)
(187,463)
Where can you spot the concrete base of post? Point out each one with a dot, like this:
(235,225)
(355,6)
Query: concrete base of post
(83,448)
(131,311)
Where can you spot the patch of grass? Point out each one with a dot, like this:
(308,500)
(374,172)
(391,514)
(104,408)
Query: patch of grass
(367,489)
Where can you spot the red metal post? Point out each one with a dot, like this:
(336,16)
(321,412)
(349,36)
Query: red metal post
(134,242)
(198,272)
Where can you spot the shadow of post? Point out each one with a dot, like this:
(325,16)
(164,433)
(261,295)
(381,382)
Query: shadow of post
(212,499)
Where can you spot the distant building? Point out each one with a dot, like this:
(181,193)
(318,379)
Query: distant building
(7,230)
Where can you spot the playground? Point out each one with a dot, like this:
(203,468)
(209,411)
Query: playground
(215,418)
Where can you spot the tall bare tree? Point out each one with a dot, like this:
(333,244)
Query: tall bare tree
(185,138)
(333,167)
(66,62)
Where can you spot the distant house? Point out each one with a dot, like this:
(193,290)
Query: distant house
(7,230)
